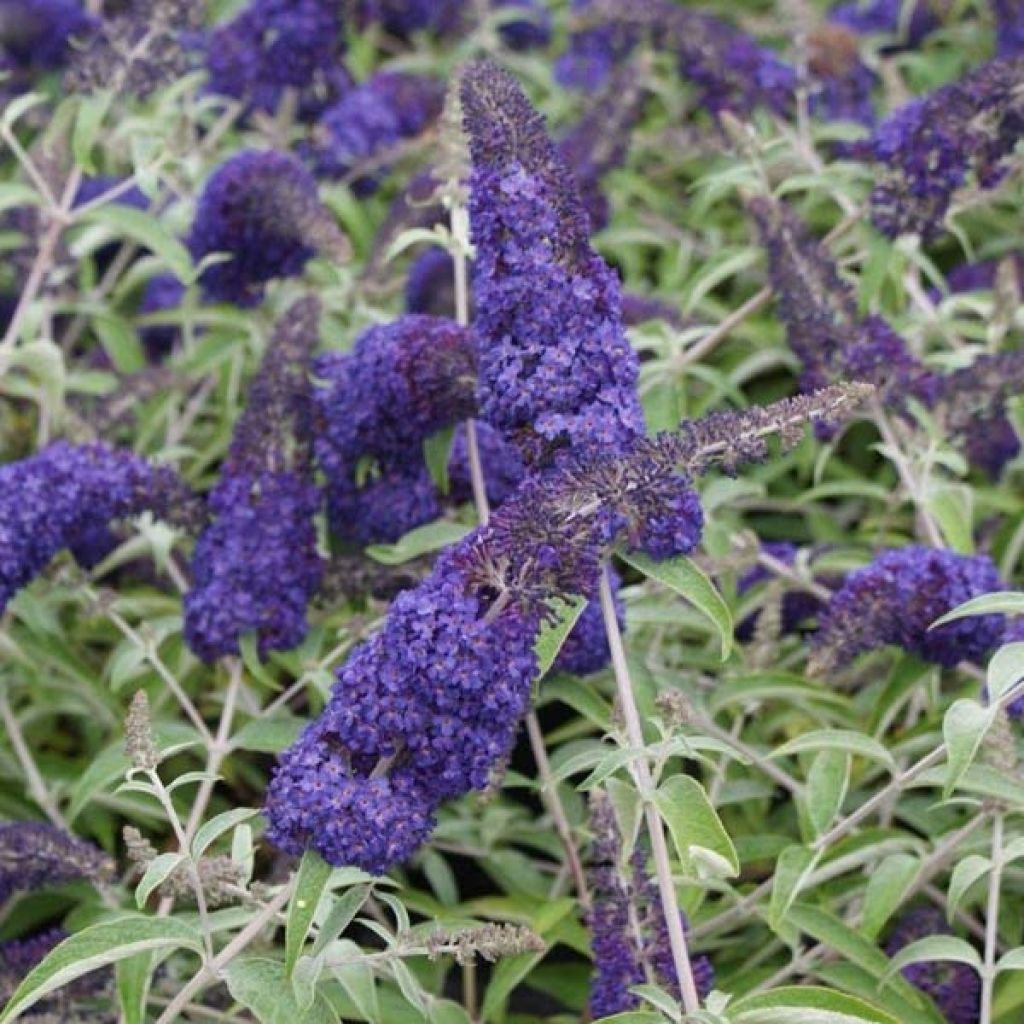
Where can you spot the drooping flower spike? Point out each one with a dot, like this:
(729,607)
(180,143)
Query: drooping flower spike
(927,149)
(425,709)
(34,854)
(555,366)
(895,600)
(260,208)
(63,495)
(256,567)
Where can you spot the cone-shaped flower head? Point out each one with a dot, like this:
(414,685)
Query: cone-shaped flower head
(256,567)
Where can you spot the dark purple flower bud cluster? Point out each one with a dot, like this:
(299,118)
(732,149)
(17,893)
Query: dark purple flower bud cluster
(895,600)
(627,924)
(954,987)
(401,383)
(586,648)
(434,698)
(430,284)
(36,35)
(1009,16)
(555,365)
(729,69)
(798,606)
(983,275)
(530,32)
(354,137)
(889,17)
(819,310)
(34,854)
(929,147)
(64,494)
(262,209)
(256,567)
(599,141)
(403,18)
(278,45)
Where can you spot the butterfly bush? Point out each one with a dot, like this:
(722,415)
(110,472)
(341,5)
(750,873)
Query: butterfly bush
(261,208)
(256,566)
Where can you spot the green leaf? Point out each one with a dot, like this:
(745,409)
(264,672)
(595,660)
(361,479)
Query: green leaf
(794,867)
(1005,670)
(217,826)
(91,111)
(936,948)
(133,978)
(410,988)
(158,871)
(1001,602)
(965,873)
(827,782)
(357,979)
(260,986)
(952,507)
(314,874)
(437,453)
(682,575)
(421,541)
(887,886)
(340,916)
(98,946)
(806,1005)
(268,735)
(963,728)
(553,635)
(836,740)
(695,825)
(507,974)
(147,231)
(444,1011)
(1012,960)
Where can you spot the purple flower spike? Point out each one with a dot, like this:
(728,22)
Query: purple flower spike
(34,854)
(371,120)
(262,209)
(928,148)
(895,600)
(503,467)
(954,987)
(1009,16)
(276,45)
(555,365)
(256,567)
(586,648)
(64,494)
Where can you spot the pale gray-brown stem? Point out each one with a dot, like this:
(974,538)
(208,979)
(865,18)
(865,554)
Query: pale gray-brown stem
(210,971)
(645,784)
(995,880)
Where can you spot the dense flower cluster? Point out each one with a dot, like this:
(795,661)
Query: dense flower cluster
(430,284)
(435,697)
(256,567)
(955,987)
(64,494)
(502,465)
(278,45)
(401,383)
(369,121)
(841,83)
(729,69)
(622,908)
(262,209)
(927,148)
(895,600)
(555,365)
(34,854)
